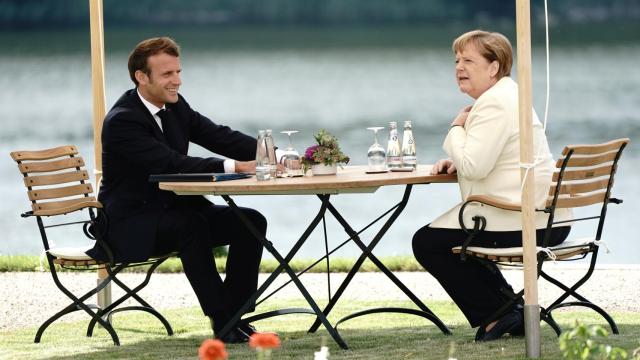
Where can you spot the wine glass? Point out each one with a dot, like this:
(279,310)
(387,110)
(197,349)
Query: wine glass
(377,157)
(291,158)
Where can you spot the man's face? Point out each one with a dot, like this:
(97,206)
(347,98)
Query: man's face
(162,84)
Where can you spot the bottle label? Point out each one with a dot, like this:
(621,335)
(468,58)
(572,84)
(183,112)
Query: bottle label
(409,161)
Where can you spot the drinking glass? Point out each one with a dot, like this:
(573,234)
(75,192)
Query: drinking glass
(291,158)
(377,157)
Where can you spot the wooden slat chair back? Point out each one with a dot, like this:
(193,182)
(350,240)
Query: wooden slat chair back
(42,175)
(584,178)
(57,184)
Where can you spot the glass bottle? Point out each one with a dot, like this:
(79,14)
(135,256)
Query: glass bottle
(408,147)
(271,153)
(394,156)
(262,158)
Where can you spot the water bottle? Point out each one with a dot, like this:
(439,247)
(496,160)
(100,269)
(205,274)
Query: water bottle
(394,157)
(271,153)
(262,158)
(408,147)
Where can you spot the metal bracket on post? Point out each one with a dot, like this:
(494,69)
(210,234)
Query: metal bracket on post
(532,329)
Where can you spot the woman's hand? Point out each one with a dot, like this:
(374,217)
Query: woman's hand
(461,119)
(443,166)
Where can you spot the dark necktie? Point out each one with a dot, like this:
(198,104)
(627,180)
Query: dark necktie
(164,119)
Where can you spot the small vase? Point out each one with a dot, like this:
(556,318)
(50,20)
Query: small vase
(322,169)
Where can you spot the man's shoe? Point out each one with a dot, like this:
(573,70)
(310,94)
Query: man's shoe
(235,336)
(250,329)
(508,323)
(247,328)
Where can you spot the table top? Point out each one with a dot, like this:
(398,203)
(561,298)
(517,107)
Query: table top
(350,179)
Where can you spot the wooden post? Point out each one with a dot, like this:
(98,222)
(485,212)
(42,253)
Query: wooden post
(99,100)
(531,306)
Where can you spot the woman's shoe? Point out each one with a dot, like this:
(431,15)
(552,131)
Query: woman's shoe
(509,322)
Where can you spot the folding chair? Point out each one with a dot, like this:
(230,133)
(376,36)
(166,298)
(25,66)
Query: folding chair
(583,178)
(57,185)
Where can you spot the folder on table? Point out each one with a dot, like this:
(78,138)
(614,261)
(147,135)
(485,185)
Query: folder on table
(201,177)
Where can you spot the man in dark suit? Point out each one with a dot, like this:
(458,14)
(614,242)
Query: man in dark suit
(148,131)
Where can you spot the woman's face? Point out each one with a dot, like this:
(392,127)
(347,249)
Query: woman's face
(474,73)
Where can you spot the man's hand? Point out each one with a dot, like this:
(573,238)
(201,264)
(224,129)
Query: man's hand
(249,167)
(246,166)
(443,166)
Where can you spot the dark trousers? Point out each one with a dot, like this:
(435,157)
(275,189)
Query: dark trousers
(194,234)
(479,289)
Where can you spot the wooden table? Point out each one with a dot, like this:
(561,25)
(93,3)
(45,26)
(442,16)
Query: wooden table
(348,180)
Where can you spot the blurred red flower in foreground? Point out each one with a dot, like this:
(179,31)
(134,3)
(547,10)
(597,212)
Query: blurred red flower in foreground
(264,341)
(212,349)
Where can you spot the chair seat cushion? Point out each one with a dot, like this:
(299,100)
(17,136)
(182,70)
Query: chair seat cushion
(71,253)
(564,250)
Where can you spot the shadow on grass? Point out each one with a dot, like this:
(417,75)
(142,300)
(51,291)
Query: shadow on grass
(380,336)
(405,342)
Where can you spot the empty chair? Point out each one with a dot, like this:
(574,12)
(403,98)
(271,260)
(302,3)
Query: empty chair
(57,184)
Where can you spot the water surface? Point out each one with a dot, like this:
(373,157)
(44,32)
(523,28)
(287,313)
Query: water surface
(594,96)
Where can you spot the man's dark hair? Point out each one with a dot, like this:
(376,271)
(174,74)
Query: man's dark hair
(145,49)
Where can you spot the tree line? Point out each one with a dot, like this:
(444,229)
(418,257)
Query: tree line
(25,14)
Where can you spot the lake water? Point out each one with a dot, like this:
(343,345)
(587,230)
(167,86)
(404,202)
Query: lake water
(595,92)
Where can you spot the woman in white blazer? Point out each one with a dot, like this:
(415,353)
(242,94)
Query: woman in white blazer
(484,149)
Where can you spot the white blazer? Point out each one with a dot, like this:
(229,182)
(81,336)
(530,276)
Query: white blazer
(486,153)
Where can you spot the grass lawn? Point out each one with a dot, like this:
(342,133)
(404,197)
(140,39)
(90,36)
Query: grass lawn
(378,336)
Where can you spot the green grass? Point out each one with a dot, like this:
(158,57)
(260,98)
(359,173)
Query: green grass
(395,263)
(379,336)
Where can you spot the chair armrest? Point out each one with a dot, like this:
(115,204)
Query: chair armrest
(96,230)
(494,202)
(479,222)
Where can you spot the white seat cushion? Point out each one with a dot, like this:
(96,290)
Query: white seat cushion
(71,253)
(567,247)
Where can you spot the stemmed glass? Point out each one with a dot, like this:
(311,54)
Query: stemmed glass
(291,158)
(377,156)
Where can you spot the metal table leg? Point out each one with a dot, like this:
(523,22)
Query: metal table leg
(366,253)
(283,265)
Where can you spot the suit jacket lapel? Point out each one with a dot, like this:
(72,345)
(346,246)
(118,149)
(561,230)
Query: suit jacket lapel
(157,132)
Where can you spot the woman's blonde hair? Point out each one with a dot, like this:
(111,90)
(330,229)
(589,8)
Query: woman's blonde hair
(492,46)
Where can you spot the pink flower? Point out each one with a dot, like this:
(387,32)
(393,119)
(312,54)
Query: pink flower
(310,151)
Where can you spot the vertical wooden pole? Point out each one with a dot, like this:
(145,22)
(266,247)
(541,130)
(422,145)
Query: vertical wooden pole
(99,100)
(531,306)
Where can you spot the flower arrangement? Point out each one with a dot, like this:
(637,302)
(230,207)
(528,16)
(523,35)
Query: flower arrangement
(326,151)
(212,349)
